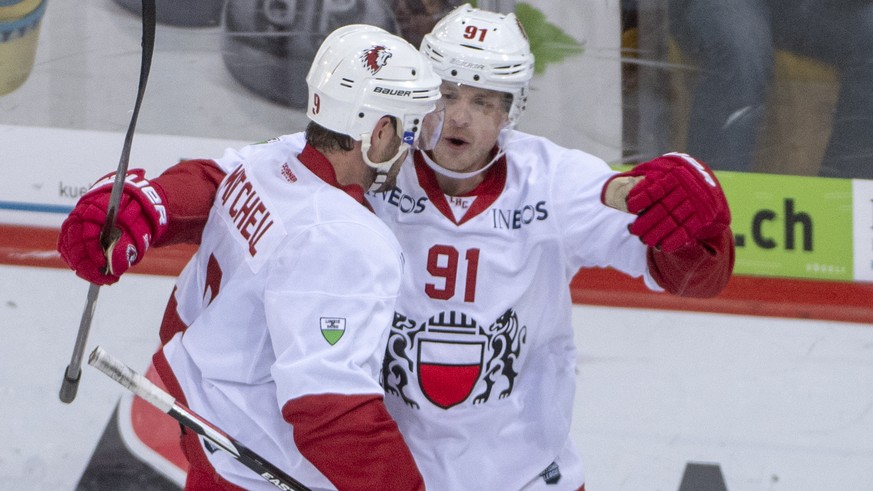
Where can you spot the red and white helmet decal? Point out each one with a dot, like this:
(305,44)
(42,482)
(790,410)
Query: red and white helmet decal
(375,58)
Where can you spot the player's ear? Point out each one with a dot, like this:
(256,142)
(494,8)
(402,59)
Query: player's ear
(385,129)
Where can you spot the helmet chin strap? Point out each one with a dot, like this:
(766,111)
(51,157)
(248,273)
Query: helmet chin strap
(382,168)
(458,175)
(501,145)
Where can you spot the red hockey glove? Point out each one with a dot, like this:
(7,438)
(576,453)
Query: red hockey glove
(678,201)
(141,218)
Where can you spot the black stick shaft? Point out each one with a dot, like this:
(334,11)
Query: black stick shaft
(154,395)
(72,375)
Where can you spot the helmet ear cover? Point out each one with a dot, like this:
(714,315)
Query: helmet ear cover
(483,49)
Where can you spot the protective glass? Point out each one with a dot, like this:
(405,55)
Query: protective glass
(431,128)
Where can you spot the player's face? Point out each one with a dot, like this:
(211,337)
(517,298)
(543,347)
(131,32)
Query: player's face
(473,120)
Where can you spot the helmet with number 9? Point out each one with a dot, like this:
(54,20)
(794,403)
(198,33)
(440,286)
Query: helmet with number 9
(362,73)
(482,49)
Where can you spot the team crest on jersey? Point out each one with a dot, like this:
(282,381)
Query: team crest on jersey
(375,58)
(333,328)
(453,358)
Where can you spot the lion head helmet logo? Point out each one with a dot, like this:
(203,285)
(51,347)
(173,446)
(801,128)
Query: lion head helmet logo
(375,58)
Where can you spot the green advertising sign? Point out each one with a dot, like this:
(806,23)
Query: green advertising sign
(791,226)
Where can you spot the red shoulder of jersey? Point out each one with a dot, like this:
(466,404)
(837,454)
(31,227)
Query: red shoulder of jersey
(189,188)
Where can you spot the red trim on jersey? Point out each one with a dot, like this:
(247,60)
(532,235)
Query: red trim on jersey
(201,475)
(486,192)
(353,441)
(171,323)
(316,162)
(428,181)
(192,184)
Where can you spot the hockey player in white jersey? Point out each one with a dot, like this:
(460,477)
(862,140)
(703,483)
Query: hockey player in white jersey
(494,223)
(277,328)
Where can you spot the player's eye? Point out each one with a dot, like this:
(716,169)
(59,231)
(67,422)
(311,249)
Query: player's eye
(485,102)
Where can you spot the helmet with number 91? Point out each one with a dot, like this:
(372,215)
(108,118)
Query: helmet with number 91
(483,49)
(362,73)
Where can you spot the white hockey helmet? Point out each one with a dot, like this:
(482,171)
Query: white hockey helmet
(482,49)
(362,73)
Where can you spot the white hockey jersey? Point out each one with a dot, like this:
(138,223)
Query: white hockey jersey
(480,367)
(308,280)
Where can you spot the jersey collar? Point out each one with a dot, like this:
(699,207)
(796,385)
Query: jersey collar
(313,160)
(486,192)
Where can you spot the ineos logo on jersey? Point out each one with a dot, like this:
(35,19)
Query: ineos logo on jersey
(515,219)
(404,202)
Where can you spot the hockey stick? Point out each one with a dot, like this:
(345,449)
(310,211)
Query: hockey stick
(153,394)
(109,234)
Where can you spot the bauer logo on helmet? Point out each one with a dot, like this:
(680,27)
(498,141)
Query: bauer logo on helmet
(467,64)
(395,92)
